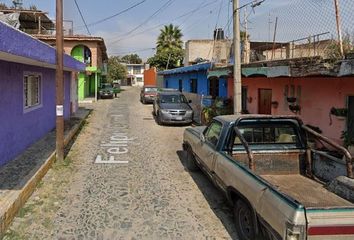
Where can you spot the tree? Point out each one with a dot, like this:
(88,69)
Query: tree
(167,59)
(170,38)
(132,59)
(169,48)
(116,70)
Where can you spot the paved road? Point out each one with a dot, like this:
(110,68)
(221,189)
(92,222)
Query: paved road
(144,192)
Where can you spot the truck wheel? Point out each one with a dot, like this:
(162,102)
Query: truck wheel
(190,163)
(244,220)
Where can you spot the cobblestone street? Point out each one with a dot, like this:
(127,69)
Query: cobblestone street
(144,192)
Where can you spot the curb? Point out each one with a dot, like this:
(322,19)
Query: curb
(16,199)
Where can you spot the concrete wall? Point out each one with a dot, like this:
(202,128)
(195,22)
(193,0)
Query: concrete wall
(318,95)
(207,49)
(20,129)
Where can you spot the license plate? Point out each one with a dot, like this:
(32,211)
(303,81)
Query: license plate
(179,118)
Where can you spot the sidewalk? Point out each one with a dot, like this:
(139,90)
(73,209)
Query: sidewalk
(19,178)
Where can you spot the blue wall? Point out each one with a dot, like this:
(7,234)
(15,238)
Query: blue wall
(172,81)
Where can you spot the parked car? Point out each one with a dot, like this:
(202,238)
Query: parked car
(148,94)
(172,107)
(106,91)
(265,167)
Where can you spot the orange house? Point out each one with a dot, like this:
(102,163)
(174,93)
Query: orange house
(150,76)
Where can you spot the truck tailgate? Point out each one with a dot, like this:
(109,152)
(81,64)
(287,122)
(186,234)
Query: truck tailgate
(330,223)
(328,216)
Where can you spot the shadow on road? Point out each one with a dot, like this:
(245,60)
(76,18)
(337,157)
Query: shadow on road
(216,199)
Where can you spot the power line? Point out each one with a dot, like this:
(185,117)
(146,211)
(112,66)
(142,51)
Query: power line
(135,51)
(113,16)
(181,16)
(167,4)
(82,17)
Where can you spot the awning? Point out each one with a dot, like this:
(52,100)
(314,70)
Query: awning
(219,73)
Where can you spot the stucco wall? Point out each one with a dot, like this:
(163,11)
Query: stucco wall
(18,129)
(150,76)
(318,96)
(207,49)
(172,81)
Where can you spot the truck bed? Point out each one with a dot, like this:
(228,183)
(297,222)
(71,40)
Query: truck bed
(306,191)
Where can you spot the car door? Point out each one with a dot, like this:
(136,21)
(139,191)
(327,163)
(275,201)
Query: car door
(207,146)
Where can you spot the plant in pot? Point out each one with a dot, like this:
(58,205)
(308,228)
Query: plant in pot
(340,113)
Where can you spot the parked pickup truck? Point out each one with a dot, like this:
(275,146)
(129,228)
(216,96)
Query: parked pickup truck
(263,164)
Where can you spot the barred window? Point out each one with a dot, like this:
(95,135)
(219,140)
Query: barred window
(32,90)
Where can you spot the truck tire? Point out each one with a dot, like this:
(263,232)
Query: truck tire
(190,162)
(244,221)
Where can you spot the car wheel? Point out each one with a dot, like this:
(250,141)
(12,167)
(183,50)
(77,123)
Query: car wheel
(191,163)
(158,119)
(245,221)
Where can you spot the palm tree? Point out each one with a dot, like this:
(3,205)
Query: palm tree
(170,38)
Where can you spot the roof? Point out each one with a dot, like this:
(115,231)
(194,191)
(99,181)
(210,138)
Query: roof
(78,38)
(192,68)
(17,46)
(29,19)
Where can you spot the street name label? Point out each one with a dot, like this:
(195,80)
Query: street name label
(117,146)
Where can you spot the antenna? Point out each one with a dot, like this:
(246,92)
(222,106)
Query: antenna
(17,3)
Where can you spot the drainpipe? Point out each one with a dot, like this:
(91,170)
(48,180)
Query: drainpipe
(96,87)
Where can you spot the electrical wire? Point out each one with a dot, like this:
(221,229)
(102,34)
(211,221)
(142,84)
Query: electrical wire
(112,16)
(179,17)
(82,17)
(164,6)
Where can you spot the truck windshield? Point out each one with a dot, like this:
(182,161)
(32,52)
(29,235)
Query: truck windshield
(150,89)
(173,98)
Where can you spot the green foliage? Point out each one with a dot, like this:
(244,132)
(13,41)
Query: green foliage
(167,59)
(170,38)
(347,140)
(116,70)
(132,59)
(169,49)
(340,112)
(333,50)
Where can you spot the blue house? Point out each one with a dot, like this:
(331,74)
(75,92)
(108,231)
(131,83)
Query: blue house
(27,90)
(195,79)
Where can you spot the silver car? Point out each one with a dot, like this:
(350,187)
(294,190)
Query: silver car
(172,108)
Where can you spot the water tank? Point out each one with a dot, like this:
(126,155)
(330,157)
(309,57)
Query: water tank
(219,34)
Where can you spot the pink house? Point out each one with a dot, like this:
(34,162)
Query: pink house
(309,88)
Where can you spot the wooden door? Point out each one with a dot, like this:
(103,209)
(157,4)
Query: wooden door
(265,101)
(350,121)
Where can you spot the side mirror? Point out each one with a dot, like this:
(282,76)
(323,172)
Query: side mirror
(189,101)
(202,137)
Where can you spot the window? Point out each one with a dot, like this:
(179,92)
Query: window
(244,99)
(194,86)
(212,134)
(136,70)
(139,79)
(173,98)
(269,134)
(32,90)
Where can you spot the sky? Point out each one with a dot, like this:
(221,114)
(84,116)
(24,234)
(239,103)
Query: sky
(136,30)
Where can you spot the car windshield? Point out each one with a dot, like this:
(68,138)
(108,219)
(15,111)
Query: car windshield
(106,86)
(150,89)
(173,98)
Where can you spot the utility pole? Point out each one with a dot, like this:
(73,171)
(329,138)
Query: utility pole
(339,28)
(237,59)
(59,82)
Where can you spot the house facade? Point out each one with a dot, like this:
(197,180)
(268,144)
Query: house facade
(135,75)
(27,89)
(307,87)
(93,53)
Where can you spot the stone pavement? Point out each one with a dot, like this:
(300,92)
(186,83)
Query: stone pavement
(139,190)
